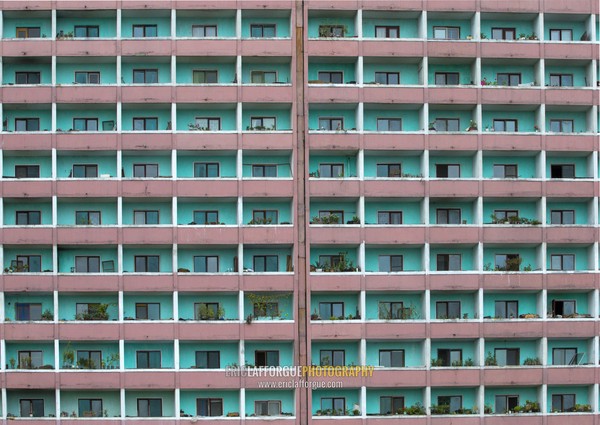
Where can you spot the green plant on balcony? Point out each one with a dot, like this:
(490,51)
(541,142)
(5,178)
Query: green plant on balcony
(112,361)
(514,220)
(487,409)
(326,219)
(483,36)
(457,363)
(47,315)
(415,409)
(95,312)
(582,408)
(472,126)
(490,359)
(437,362)
(19,268)
(532,361)
(12,362)
(207,313)
(469,362)
(333,30)
(68,356)
(25,363)
(86,364)
(262,304)
(355,220)
(442,409)
(258,221)
(529,407)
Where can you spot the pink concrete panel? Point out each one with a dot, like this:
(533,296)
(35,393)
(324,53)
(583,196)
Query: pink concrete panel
(508,96)
(146,4)
(27,48)
(97,421)
(571,328)
(400,48)
(19,94)
(19,5)
(332,47)
(26,189)
(87,235)
(453,188)
(563,235)
(394,235)
(394,329)
(276,93)
(385,378)
(569,50)
(346,420)
(268,330)
(455,376)
(453,234)
(24,141)
(511,49)
(581,189)
(268,140)
(401,141)
(393,95)
(84,188)
(460,142)
(27,235)
(208,4)
(253,47)
(208,47)
(187,282)
(87,141)
(462,95)
(512,234)
(338,330)
(221,330)
(454,329)
(267,282)
(149,380)
(572,281)
(323,281)
(575,418)
(88,331)
(442,5)
(402,282)
(444,49)
(146,94)
(148,283)
(513,328)
(336,234)
(512,188)
(146,421)
(332,141)
(142,332)
(30,380)
(402,419)
(147,140)
(206,93)
(338,5)
(512,6)
(148,188)
(16,282)
(88,283)
(453,282)
(207,234)
(336,187)
(400,187)
(511,281)
(577,375)
(450,420)
(194,140)
(90,5)
(512,376)
(148,235)
(268,4)
(571,142)
(508,142)
(204,187)
(89,48)
(207,379)
(325,93)
(569,97)
(266,235)
(391,5)
(83,94)
(267,188)
(149,47)
(520,419)
(82,380)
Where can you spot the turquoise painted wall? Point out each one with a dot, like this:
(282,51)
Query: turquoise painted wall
(410,119)
(13,348)
(465,26)
(66,211)
(65,72)
(466,164)
(527,254)
(166,304)
(111,401)
(163,161)
(228,302)
(11,301)
(464,70)
(525,119)
(285,301)
(411,211)
(409,72)
(413,352)
(282,25)
(14,396)
(44,116)
(185,164)
(579,73)
(187,353)
(527,302)
(106,164)
(314,22)
(468,352)
(581,256)
(163,115)
(225,71)
(524,393)
(227,211)
(525,165)
(411,397)
(108,26)
(282,162)
(579,119)
(168,401)
(528,349)
(46,253)
(188,116)
(9,69)
(231,400)
(282,253)
(350,209)
(166,258)
(64,120)
(519,25)
(10,25)
(163,208)
(349,162)
(282,116)
(348,69)
(582,346)
(44,162)
(412,258)
(286,351)
(350,303)
(411,165)
(226,257)
(525,209)
(286,398)
(581,210)
(164,70)
(282,69)
(467,210)
(352,397)
(163,25)
(349,116)
(409,28)
(67,305)
(490,72)
(10,211)
(350,348)
(165,348)
(225,25)
(469,399)
(349,252)
(410,300)
(284,209)
(581,168)
(467,257)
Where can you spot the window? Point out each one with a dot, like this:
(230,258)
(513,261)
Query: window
(265,309)
(329,310)
(391,358)
(561,126)
(340,219)
(204,31)
(391,310)
(332,77)
(504,215)
(29,263)
(333,358)
(563,262)
(562,171)
(506,309)
(92,218)
(85,77)
(563,402)
(561,34)
(143,31)
(389,217)
(391,263)
(448,216)
(331,170)
(447,124)
(81,171)
(506,403)
(27,171)
(387,78)
(90,359)
(145,170)
(561,80)
(447,78)
(147,311)
(87,264)
(335,404)
(85,124)
(265,263)
(27,78)
(30,359)
(205,77)
(263,77)
(564,356)
(453,401)
(263,30)
(82,309)
(28,311)
(208,124)
(331,124)
(449,357)
(209,406)
(262,123)
(264,358)
(206,264)
(31,408)
(267,408)
(265,216)
(264,170)
(332,31)
(508,79)
(148,359)
(24,218)
(563,307)
(145,76)
(562,217)
(506,125)
(149,407)
(145,124)
(206,217)
(390,405)
(446,33)
(389,124)
(90,407)
(89,31)
(507,356)
(506,171)
(447,310)
(145,217)
(507,262)
(208,359)
(206,311)
(28,32)
(147,263)
(387,31)
(206,169)
(451,171)
(504,34)
(449,262)
(27,124)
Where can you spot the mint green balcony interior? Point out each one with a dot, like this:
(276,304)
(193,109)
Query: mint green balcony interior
(253,20)
(320,350)
(225,67)
(231,400)
(327,19)
(68,208)
(438,114)
(195,117)
(411,210)
(16,114)
(16,300)
(579,162)
(13,349)
(466,346)
(579,72)
(130,207)
(319,65)
(228,353)
(345,112)
(576,23)
(407,21)
(408,114)
(105,161)
(67,304)
(14,206)
(105,116)
(106,22)
(445,19)
(224,20)
(498,208)
(467,211)
(259,117)
(189,305)
(225,264)
(322,401)
(286,397)
(321,303)
(581,211)
(165,258)
(281,159)
(13,65)
(525,118)
(377,307)
(161,64)
(464,67)
(160,18)
(13,400)
(225,208)
(523,393)
(161,159)
(413,352)
(556,302)
(490,68)
(412,258)
(251,67)
(527,254)
(408,68)
(526,165)
(578,118)
(467,257)
(324,208)
(275,258)
(582,258)
(17,19)
(158,111)
(225,160)
(111,402)
(439,311)
(557,355)
(411,397)
(11,254)
(323,165)
(522,23)
(42,159)
(285,350)
(256,206)
(132,301)
(527,303)
(465,163)
(583,394)
(320,253)
(66,69)
(528,349)
(167,398)
(269,305)
(103,360)
(410,165)
(166,354)
(468,396)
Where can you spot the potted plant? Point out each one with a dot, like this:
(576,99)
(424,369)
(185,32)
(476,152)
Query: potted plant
(68,356)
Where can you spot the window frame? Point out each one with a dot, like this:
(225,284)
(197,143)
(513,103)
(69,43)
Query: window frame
(390,123)
(261,120)
(334,356)
(28,218)
(27,32)
(90,171)
(89,265)
(331,306)
(387,75)
(93,357)
(146,168)
(27,168)
(562,397)
(446,355)
(145,216)
(513,353)
(87,29)
(562,258)
(209,359)
(34,407)
(504,31)
(330,167)
(506,307)
(265,258)
(36,359)
(564,352)
(445,76)
(28,260)
(88,75)
(265,215)
(398,259)
(212,306)
(150,402)
(561,34)
(208,75)
(509,79)
(145,121)
(260,404)
(332,31)
(330,77)
(147,259)
(266,309)
(562,309)
(331,123)
(562,123)
(396,403)
(448,265)
(264,169)
(207,170)
(148,358)
(208,265)
(447,122)
(263,74)
(392,363)
(150,310)
(389,31)
(447,306)
(504,168)
(449,214)
(562,220)
(442,398)
(390,217)
(266,358)
(510,402)
(206,221)
(97,412)
(146,74)
(34,122)
(145,28)
(89,124)
(24,313)
(261,28)
(389,170)
(561,77)
(28,76)
(508,257)
(504,122)
(554,168)
(447,32)
(443,171)
(203,28)
(89,221)
(393,310)
(209,410)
